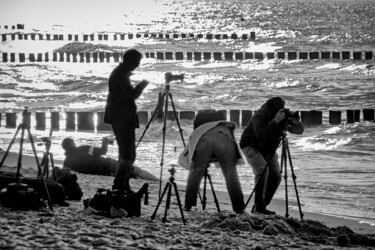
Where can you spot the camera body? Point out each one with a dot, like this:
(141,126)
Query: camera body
(171,77)
(291,114)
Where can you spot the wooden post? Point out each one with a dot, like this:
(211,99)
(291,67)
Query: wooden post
(85,121)
(40,120)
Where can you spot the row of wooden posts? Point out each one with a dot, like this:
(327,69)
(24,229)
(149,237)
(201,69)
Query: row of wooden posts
(120,36)
(86,120)
(109,57)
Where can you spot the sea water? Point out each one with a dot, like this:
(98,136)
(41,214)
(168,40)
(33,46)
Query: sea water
(334,164)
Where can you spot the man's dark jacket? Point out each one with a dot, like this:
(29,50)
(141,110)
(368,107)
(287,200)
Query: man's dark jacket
(262,132)
(121,107)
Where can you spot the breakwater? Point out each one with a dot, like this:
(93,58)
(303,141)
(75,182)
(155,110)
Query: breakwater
(93,121)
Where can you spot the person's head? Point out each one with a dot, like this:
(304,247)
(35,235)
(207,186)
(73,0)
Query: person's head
(273,105)
(68,143)
(131,59)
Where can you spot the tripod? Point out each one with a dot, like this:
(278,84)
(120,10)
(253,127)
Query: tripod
(285,154)
(25,125)
(165,97)
(168,187)
(204,198)
(47,156)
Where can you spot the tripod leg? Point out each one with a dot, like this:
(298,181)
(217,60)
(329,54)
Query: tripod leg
(151,119)
(204,198)
(44,165)
(160,200)
(283,165)
(294,181)
(20,152)
(167,204)
(10,145)
(176,117)
(179,203)
(53,167)
(39,169)
(261,176)
(213,193)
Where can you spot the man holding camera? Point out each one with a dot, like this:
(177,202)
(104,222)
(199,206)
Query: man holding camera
(121,113)
(259,142)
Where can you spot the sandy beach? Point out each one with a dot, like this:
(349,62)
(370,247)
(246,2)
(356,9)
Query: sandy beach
(67,228)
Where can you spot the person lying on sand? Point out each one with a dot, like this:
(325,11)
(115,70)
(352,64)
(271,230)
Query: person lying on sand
(88,159)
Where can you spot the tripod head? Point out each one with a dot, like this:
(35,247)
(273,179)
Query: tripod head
(46,140)
(172,170)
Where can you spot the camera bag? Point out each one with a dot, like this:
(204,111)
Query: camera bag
(105,201)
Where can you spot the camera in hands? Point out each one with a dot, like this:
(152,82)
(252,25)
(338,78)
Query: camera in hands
(291,114)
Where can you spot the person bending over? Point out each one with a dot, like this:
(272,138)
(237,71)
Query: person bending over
(121,113)
(259,142)
(88,159)
(212,142)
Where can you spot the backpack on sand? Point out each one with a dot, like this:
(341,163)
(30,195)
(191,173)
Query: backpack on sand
(113,204)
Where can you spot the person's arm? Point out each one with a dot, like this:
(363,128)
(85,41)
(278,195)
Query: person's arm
(97,152)
(295,126)
(138,89)
(268,130)
(121,91)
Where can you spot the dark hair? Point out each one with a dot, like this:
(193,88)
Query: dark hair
(131,58)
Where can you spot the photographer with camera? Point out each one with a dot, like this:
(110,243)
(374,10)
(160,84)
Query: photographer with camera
(212,140)
(121,113)
(259,142)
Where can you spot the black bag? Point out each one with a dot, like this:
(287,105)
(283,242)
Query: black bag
(208,115)
(70,183)
(56,191)
(21,197)
(104,200)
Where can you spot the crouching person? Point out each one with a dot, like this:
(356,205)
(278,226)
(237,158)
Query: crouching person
(212,142)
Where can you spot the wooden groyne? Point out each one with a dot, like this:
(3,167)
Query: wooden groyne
(114,57)
(93,121)
(121,36)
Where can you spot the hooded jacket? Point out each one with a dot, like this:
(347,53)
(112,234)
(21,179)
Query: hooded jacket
(263,133)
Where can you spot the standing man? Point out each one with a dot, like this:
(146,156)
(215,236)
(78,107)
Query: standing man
(259,142)
(121,113)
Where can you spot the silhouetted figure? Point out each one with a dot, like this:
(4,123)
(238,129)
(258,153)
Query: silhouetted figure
(259,142)
(121,113)
(212,142)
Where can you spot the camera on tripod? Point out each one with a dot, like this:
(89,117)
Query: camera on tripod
(291,114)
(171,77)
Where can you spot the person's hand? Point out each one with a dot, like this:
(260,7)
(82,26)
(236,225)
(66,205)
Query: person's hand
(293,120)
(144,83)
(105,140)
(280,115)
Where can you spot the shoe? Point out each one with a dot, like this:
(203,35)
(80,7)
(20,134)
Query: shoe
(264,211)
